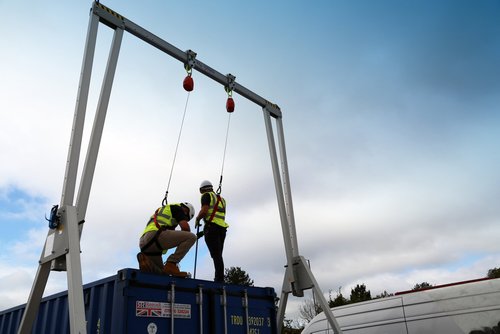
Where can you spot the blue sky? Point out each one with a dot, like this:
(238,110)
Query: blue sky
(391,118)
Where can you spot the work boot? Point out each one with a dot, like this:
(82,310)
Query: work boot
(146,265)
(171,268)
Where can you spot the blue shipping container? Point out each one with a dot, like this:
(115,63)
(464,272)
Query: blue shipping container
(135,302)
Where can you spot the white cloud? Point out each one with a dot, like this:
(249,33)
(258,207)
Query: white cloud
(393,184)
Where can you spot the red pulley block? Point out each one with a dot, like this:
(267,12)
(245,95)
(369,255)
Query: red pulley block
(230,104)
(188,83)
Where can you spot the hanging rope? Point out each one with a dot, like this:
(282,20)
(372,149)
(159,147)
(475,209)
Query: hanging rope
(229,108)
(165,201)
(219,189)
(188,85)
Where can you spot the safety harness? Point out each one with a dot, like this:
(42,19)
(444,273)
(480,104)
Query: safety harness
(154,240)
(216,207)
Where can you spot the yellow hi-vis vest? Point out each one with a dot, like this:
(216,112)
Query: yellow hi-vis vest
(163,218)
(220,213)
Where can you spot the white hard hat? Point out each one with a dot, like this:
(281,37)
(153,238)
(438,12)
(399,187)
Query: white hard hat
(191,209)
(206,184)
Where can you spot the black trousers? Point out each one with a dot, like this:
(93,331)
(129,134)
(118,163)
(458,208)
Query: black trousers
(214,238)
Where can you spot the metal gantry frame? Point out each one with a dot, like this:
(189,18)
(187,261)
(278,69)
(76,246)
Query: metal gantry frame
(61,251)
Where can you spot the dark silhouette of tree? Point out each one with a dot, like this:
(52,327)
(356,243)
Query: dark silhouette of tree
(291,330)
(487,330)
(383,295)
(235,275)
(338,301)
(494,273)
(360,294)
(421,286)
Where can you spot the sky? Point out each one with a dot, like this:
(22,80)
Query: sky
(391,115)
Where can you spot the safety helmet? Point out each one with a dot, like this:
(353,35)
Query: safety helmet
(191,209)
(206,184)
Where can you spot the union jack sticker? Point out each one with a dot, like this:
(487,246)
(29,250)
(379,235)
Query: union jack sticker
(161,310)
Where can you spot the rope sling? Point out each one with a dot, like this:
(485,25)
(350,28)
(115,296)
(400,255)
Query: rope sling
(188,85)
(165,199)
(219,189)
(229,108)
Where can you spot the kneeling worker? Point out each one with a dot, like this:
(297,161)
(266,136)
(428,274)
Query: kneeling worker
(160,235)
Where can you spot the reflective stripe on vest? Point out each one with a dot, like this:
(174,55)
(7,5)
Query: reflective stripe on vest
(163,218)
(220,213)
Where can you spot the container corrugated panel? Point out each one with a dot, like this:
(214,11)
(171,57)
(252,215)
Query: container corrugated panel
(136,302)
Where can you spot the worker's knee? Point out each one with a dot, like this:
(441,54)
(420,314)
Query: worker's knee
(191,238)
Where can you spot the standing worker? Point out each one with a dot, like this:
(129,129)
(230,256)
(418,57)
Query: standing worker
(160,235)
(213,212)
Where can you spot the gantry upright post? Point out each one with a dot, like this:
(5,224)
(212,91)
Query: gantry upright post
(62,249)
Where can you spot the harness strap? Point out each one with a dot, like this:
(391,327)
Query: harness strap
(215,209)
(155,237)
(154,219)
(155,241)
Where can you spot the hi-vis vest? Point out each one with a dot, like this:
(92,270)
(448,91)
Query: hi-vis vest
(163,218)
(220,213)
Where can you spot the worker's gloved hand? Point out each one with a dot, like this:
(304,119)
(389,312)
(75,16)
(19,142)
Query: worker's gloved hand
(200,234)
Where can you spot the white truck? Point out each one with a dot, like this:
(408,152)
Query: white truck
(469,307)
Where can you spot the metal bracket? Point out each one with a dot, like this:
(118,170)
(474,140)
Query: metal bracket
(191,59)
(302,279)
(231,82)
